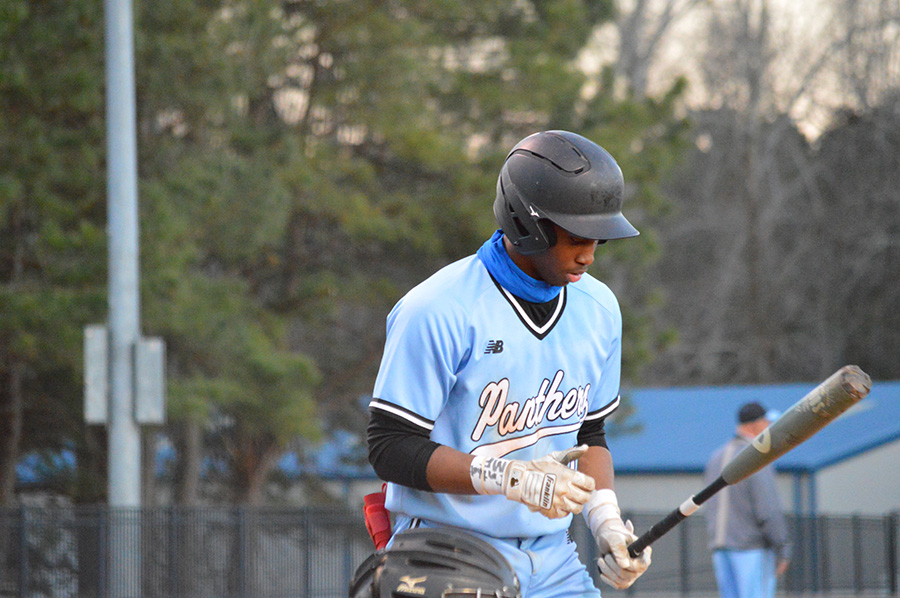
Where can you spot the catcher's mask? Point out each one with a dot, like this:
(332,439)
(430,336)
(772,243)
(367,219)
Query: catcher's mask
(435,563)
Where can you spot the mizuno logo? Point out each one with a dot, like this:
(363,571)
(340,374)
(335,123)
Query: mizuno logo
(408,585)
(494,347)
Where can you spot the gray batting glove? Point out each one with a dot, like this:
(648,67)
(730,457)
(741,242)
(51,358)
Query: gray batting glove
(545,485)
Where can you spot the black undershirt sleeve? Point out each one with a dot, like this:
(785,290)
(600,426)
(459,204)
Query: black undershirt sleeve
(592,433)
(398,450)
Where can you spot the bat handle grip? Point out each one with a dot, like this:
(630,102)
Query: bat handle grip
(675,517)
(655,533)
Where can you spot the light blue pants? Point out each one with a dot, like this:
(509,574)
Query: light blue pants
(547,566)
(745,573)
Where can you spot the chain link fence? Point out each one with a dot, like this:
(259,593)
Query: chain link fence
(312,552)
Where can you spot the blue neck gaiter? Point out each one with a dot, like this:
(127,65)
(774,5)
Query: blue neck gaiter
(510,276)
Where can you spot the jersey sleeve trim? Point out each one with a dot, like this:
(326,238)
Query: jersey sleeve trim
(603,412)
(402,413)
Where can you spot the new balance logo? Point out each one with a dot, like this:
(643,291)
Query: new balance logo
(494,347)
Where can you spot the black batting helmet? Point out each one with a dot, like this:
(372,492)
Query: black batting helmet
(435,563)
(564,178)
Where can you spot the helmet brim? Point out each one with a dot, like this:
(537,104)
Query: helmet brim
(602,227)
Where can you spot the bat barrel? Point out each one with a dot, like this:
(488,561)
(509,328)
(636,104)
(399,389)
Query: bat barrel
(822,405)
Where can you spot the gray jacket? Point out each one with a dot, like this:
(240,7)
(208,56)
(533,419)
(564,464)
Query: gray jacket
(748,514)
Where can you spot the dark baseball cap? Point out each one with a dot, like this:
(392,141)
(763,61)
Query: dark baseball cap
(751,412)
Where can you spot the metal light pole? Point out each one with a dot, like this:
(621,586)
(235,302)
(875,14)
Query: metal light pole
(124,296)
(124,373)
(124,450)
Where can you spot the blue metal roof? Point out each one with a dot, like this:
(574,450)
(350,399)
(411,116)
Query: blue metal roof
(673,430)
(677,429)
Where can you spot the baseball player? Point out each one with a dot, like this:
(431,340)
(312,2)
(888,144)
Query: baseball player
(499,370)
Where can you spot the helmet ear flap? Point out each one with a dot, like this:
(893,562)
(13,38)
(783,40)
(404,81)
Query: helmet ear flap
(517,222)
(528,231)
(547,227)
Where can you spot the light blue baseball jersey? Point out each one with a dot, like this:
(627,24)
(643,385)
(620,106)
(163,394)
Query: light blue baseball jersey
(464,362)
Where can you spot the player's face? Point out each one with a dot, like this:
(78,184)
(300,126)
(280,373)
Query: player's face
(566,261)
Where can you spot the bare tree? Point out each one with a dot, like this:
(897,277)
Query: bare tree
(869,65)
(643,26)
(860,182)
(754,235)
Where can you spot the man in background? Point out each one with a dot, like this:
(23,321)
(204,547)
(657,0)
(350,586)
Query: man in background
(747,530)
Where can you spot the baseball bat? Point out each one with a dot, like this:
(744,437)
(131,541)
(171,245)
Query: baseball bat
(820,406)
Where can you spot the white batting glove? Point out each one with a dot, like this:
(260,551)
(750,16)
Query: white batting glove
(613,536)
(545,485)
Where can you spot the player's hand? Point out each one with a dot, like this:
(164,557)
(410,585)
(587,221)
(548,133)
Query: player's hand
(613,536)
(617,568)
(546,485)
